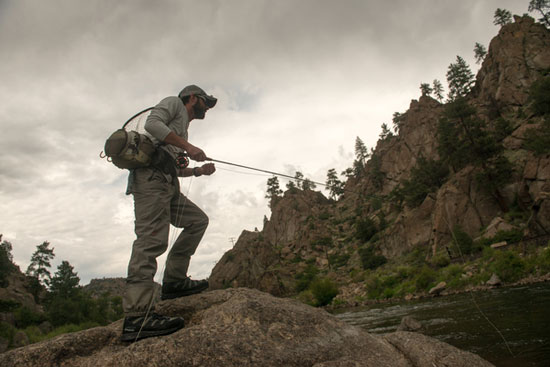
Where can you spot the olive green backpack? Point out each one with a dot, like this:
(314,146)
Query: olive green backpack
(129,149)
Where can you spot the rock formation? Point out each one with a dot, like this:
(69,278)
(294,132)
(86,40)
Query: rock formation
(307,229)
(243,327)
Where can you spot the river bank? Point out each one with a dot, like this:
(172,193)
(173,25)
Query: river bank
(342,304)
(506,325)
(414,278)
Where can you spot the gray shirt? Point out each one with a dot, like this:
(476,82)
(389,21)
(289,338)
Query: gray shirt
(170,115)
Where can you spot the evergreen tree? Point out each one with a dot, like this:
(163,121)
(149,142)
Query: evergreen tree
(273,190)
(397,120)
(438,90)
(426,89)
(307,184)
(65,281)
(426,176)
(290,185)
(361,155)
(463,138)
(460,79)
(543,7)
(299,179)
(40,263)
(348,172)
(386,133)
(6,262)
(479,52)
(335,186)
(502,17)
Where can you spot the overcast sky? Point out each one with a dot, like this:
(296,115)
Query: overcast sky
(297,81)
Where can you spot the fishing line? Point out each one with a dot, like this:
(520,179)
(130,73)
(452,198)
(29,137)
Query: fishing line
(243,173)
(471,292)
(272,173)
(266,171)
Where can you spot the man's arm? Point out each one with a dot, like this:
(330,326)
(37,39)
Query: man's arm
(206,169)
(194,153)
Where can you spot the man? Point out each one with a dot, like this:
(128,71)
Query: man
(159,203)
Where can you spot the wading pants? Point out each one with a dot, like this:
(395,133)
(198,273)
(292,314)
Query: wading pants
(157,204)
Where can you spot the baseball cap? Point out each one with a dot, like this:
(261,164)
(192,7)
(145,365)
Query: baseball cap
(193,89)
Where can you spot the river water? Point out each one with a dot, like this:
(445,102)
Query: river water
(521,314)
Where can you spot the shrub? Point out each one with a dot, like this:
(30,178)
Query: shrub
(305,278)
(543,261)
(441,260)
(427,176)
(508,266)
(338,260)
(7,332)
(24,317)
(369,260)
(462,240)
(324,290)
(365,229)
(537,140)
(539,95)
(425,278)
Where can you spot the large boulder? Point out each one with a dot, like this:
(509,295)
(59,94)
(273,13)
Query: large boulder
(244,327)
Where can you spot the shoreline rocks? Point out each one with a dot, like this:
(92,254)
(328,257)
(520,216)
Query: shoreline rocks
(244,327)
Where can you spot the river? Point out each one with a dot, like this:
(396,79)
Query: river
(521,314)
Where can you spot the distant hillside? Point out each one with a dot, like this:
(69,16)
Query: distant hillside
(417,204)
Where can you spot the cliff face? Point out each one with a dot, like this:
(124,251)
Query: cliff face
(305,228)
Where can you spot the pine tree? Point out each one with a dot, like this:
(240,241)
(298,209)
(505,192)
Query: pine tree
(426,89)
(40,263)
(502,17)
(437,90)
(543,7)
(460,79)
(386,133)
(335,186)
(6,262)
(273,190)
(463,139)
(479,52)
(397,120)
(299,179)
(65,281)
(307,184)
(290,185)
(361,151)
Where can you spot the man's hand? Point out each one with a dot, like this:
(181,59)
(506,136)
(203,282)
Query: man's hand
(208,169)
(195,153)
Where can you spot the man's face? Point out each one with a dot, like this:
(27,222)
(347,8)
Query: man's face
(200,108)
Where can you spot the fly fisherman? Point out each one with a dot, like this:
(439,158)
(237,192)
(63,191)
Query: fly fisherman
(159,203)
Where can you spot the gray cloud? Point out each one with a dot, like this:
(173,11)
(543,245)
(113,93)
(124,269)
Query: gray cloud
(297,81)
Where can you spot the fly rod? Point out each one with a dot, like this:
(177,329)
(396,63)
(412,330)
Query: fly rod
(266,171)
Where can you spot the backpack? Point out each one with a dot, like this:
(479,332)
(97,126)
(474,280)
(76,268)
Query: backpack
(129,149)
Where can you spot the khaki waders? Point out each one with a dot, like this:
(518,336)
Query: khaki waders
(157,204)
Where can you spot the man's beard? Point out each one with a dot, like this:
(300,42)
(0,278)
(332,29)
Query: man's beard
(198,111)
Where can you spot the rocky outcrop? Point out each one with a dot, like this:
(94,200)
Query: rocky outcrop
(244,327)
(17,290)
(306,229)
(515,59)
(255,260)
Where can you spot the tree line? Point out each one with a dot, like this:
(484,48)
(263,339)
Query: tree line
(63,299)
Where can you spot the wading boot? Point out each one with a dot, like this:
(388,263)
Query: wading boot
(182,288)
(139,327)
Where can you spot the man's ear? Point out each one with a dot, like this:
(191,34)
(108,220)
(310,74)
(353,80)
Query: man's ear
(193,99)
